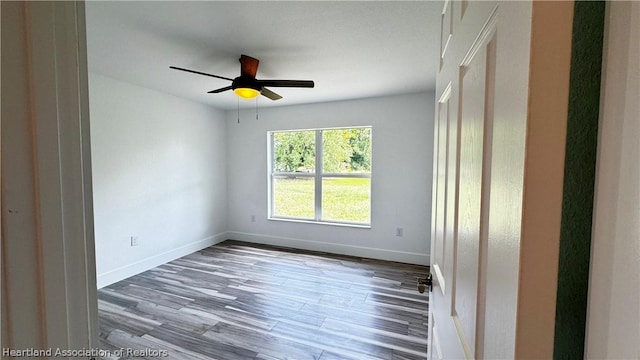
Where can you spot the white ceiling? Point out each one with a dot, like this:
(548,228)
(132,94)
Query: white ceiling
(350,49)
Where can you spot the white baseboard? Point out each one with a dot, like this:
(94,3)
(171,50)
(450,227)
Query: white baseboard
(126,271)
(361,251)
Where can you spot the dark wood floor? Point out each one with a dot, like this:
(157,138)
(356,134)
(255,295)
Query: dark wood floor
(244,301)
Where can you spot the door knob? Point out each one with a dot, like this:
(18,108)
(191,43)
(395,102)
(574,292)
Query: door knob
(424,283)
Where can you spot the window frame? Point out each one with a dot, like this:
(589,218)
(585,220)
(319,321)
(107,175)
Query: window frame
(318,176)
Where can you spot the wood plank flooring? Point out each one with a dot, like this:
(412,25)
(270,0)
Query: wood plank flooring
(244,301)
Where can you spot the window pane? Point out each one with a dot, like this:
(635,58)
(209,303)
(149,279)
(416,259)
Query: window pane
(294,197)
(346,150)
(346,199)
(294,151)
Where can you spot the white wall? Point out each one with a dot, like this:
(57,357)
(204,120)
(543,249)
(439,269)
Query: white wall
(402,152)
(613,322)
(158,174)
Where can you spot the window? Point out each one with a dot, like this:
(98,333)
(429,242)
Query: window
(321,175)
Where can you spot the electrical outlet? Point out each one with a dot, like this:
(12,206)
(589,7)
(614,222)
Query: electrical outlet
(253,218)
(399,231)
(134,240)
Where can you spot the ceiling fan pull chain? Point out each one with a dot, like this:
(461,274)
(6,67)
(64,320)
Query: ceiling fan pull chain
(238,110)
(256,108)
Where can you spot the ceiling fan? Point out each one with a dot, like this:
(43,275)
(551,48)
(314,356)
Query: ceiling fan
(247,86)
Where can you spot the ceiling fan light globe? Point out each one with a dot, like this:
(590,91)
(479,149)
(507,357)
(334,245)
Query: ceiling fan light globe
(246,93)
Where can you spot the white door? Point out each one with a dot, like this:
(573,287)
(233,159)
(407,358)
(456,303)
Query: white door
(498,168)
(462,138)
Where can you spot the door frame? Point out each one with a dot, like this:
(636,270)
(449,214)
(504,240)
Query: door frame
(47,228)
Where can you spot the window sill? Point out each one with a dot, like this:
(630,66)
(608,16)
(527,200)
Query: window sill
(330,223)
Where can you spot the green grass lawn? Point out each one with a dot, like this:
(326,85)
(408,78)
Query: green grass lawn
(343,199)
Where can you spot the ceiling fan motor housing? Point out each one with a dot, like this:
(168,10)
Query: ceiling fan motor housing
(245,82)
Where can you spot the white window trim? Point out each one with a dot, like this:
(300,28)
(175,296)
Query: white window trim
(318,176)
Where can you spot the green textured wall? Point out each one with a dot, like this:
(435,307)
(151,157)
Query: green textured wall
(579,176)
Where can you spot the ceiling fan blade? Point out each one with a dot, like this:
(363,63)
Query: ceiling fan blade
(287,83)
(199,73)
(270,94)
(219,90)
(248,66)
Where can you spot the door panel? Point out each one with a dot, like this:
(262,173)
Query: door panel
(446,28)
(440,240)
(472,93)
